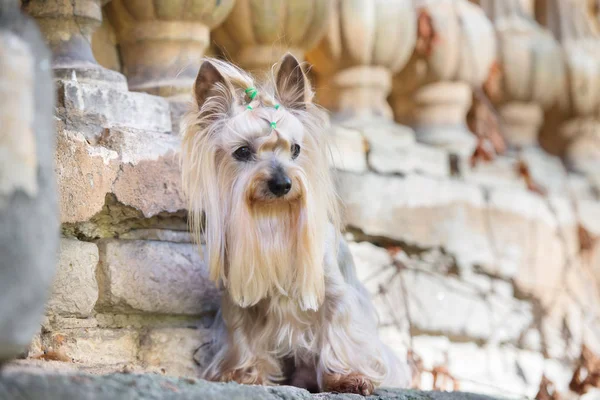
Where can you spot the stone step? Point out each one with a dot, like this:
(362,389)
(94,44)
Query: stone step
(33,384)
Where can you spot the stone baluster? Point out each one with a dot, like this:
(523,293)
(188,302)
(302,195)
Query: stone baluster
(532,76)
(434,92)
(258,33)
(366,43)
(161,42)
(67,26)
(578,135)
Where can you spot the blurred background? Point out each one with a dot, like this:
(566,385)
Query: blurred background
(467,147)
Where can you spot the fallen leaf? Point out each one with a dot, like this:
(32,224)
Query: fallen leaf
(523,171)
(547,390)
(427,37)
(53,355)
(587,373)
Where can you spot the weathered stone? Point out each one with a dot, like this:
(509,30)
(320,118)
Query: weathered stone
(37,384)
(499,173)
(53,322)
(156,277)
(28,207)
(141,169)
(509,233)
(420,211)
(75,290)
(546,170)
(85,174)
(104,46)
(171,350)
(95,107)
(581,188)
(164,235)
(94,346)
(161,43)
(492,370)
(67,26)
(392,149)
(152,321)
(348,149)
(144,157)
(503,172)
(433,92)
(256,49)
(427,300)
(355,71)
(35,346)
(532,238)
(433,301)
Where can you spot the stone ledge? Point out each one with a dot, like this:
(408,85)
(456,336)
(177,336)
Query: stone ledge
(33,384)
(94,107)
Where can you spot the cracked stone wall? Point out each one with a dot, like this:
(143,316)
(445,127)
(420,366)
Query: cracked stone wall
(481,280)
(470,271)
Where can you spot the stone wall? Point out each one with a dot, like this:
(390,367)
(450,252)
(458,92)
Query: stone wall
(479,248)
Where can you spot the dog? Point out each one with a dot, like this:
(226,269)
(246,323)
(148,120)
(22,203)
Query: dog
(260,194)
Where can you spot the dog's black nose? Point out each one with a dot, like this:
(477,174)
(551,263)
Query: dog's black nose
(280,184)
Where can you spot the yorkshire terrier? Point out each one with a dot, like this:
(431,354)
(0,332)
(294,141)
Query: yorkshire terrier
(262,198)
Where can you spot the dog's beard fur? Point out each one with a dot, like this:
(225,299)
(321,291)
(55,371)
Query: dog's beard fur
(275,247)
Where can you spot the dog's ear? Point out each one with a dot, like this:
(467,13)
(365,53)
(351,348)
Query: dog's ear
(211,83)
(293,87)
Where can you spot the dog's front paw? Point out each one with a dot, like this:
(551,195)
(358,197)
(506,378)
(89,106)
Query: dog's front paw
(353,383)
(245,377)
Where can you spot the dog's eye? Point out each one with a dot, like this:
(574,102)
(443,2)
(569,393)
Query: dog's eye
(243,154)
(295,151)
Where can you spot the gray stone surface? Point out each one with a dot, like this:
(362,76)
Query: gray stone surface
(107,108)
(155,277)
(348,149)
(94,346)
(17,385)
(28,207)
(171,350)
(75,290)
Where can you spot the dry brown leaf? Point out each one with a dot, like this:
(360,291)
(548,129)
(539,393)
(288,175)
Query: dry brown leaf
(587,373)
(416,367)
(394,250)
(547,390)
(523,171)
(482,152)
(482,121)
(443,380)
(492,86)
(427,38)
(53,355)
(587,241)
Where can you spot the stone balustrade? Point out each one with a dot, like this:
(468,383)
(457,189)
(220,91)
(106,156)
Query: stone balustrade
(476,274)
(577,138)
(433,93)
(258,33)
(532,77)
(366,43)
(161,42)
(68,26)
